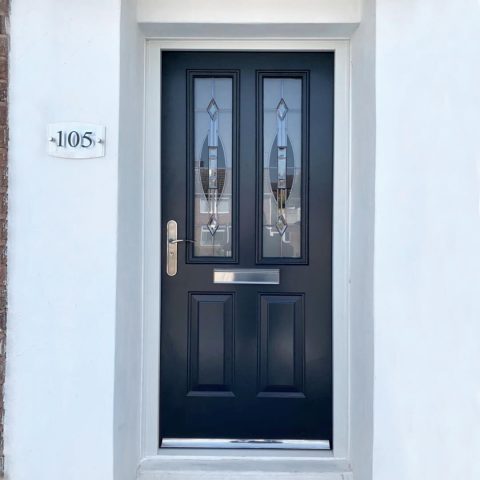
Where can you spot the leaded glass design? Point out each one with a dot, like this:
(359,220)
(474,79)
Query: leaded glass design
(213,167)
(282,167)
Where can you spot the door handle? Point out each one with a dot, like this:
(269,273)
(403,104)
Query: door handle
(172,249)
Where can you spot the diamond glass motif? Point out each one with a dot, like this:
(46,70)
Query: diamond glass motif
(213,224)
(281,225)
(212,109)
(282,109)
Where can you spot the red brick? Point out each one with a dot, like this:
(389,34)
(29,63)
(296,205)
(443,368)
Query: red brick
(3,114)
(3,91)
(3,46)
(4,7)
(3,68)
(3,136)
(4,24)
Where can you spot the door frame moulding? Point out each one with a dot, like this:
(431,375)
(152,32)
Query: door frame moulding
(334,462)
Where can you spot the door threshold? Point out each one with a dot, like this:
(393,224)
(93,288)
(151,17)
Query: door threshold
(245,443)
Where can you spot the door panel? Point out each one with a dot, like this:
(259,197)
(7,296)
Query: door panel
(247,170)
(281,346)
(210,345)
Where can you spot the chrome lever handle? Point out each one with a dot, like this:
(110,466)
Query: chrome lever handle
(181,240)
(172,248)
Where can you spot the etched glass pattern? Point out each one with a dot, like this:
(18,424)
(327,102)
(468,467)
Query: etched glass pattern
(282,167)
(213,167)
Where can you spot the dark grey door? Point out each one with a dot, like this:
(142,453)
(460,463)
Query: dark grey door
(247,169)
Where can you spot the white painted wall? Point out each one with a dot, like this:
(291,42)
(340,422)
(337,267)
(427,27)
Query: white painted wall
(427,241)
(75,244)
(249,11)
(128,354)
(362,247)
(62,243)
(73,353)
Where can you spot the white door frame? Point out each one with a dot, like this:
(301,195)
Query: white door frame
(152,255)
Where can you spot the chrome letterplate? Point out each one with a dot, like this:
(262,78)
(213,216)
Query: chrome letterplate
(253,276)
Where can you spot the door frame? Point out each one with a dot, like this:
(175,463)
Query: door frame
(153,261)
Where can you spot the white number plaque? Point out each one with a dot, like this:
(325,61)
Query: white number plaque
(76,140)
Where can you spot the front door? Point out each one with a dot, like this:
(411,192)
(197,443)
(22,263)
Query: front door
(247,190)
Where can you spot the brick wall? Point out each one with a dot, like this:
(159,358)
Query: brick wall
(4,39)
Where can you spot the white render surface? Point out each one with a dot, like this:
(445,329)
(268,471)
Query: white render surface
(427,241)
(128,329)
(62,245)
(249,11)
(73,346)
(362,224)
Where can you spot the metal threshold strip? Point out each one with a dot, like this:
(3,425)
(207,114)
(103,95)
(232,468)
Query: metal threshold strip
(245,443)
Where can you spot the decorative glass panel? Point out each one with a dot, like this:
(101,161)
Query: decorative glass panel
(213,167)
(282,167)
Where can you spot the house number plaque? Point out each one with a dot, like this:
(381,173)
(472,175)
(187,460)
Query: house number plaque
(76,140)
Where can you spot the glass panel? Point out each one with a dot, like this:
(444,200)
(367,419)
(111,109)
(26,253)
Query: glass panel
(213,167)
(282,167)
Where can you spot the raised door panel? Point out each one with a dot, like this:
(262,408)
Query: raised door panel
(281,346)
(210,362)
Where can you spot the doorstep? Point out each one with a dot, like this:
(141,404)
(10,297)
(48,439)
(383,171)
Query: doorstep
(242,467)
